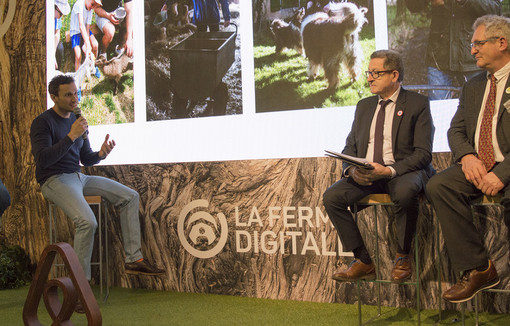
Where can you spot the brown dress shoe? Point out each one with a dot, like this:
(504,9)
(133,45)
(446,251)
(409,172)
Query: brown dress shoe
(357,271)
(472,282)
(402,268)
(143,268)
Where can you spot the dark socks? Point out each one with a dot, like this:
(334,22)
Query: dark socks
(362,254)
(483,267)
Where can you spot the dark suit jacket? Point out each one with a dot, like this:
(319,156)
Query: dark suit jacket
(412,134)
(461,135)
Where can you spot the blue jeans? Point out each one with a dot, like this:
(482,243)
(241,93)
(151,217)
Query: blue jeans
(67,191)
(5,199)
(446,78)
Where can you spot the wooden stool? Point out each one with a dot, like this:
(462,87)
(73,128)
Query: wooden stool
(101,205)
(384,200)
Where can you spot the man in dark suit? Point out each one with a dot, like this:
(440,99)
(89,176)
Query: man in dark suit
(479,137)
(394,131)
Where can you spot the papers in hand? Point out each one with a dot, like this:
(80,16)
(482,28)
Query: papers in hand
(361,162)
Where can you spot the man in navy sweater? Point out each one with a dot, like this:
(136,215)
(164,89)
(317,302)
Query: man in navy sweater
(58,147)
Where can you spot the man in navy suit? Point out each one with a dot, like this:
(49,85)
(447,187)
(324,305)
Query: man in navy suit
(479,137)
(394,131)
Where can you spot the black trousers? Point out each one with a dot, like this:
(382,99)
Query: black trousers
(404,191)
(451,195)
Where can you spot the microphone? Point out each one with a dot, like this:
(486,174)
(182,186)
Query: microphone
(77,113)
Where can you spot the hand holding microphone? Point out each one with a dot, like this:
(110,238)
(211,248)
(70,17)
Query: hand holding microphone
(83,122)
(79,127)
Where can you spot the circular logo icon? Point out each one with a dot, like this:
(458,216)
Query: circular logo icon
(8,18)
(199,232)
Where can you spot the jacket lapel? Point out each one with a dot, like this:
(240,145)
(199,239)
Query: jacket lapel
(479,91)
(504,99)
(397,116)
(366,123)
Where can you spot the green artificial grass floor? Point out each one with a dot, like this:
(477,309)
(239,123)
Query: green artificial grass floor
(146,307)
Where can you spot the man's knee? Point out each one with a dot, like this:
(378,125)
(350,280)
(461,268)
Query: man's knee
(406,197)
(434,185)
(332,198)
(131,197)
(88,225)
(136,196)
(327,198)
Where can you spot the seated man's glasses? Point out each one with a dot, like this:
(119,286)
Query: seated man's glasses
(479,44)
(376,74)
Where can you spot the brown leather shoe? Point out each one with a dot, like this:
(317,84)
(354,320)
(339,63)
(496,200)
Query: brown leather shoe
(472,282)
(143,268)
(357,271)
(402,268)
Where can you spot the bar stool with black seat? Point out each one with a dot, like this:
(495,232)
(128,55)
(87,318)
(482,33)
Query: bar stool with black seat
(102,261)
(375,200)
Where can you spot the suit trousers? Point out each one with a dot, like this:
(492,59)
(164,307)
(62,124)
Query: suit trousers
(404,191)
(451,195)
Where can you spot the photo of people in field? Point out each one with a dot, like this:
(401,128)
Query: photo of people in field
(94,43)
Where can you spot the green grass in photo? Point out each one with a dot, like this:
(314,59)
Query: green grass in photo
(282,82)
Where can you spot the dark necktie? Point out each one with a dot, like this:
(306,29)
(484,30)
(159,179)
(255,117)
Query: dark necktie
(379,133)
(485,148)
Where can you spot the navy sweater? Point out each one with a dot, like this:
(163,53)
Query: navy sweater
(54,152)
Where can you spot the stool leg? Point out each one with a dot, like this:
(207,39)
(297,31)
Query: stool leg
(439,285)
(377,270)
(50,229)
(417,262)
(476,309)
(360,321)
(100,219)
(53,234)
(463,313)
(106,215)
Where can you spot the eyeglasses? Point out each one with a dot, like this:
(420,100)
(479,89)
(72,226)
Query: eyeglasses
(376,74)
(479,44)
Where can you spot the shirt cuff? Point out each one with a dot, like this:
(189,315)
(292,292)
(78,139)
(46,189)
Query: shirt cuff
(393,172)
(346,171)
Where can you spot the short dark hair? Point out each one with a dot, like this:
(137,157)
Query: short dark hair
(56,81)
(392,61)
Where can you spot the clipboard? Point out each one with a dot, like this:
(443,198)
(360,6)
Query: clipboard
(360,162)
